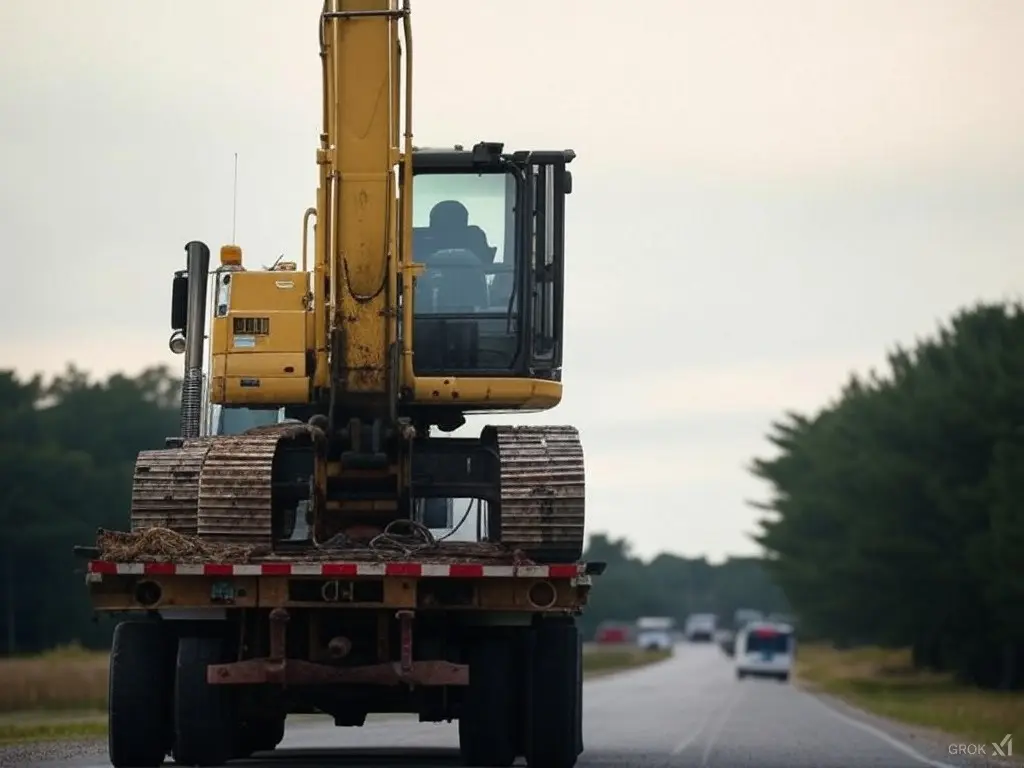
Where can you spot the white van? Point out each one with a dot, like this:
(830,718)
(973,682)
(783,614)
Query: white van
(701,627)
(765,649)
(654,633)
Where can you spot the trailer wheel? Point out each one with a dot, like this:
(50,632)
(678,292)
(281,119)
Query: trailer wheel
(487,718)
(554,718)
(204,722)
(522,643)
(579,694)
(138,691)
(260,735)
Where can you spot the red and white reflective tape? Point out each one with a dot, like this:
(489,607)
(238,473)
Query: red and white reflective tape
(340,570)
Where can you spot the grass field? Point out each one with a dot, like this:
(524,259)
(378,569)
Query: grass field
(601,660)
(64,679)
(63,694)
(885,683)
(59,694)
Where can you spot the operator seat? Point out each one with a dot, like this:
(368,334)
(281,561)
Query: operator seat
(453,281)
(475,239)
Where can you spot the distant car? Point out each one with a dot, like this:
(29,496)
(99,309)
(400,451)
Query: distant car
(654,633)
(765,649)
(726,640)
(654,640)
(611,635)
(701,627)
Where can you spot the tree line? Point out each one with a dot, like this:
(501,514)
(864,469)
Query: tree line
(67,452)
(896,513)
(893,516)
(673,586)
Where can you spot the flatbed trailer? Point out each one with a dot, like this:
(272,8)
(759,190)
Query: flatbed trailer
(215,654)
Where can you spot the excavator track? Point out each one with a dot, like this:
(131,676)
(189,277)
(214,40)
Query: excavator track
(219,488)
(235,490)
(542,490)
(165,487)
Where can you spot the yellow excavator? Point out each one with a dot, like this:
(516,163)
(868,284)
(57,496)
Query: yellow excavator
(307,550)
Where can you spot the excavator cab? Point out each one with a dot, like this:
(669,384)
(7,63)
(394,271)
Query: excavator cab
(488,230)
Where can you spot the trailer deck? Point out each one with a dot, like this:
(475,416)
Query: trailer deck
(164,571)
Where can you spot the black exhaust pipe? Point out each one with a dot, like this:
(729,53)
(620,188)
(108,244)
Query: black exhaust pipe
(198,265)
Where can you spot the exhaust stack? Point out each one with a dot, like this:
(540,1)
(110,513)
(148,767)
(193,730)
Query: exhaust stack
(198,266)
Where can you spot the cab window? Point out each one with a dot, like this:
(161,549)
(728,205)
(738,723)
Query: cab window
(235,420)
(465,303)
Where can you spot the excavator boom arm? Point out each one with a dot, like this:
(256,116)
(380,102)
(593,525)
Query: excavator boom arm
(357,212)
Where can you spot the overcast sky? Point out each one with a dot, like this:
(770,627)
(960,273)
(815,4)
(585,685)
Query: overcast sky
(767,195)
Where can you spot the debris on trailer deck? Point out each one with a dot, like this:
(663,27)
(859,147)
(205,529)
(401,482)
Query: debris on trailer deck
(164,545)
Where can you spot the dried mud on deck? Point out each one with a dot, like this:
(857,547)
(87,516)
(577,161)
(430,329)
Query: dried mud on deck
(164,545)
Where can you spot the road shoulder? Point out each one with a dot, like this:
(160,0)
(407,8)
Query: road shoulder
(933,746)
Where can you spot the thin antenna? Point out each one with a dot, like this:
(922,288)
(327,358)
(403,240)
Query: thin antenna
(234,201)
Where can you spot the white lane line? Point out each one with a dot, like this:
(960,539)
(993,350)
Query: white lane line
(683,745)
(879,734)
(721,727)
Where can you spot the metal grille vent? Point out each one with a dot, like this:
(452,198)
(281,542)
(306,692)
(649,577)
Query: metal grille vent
(251,326)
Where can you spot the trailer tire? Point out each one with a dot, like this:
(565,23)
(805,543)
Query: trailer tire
(138,691)
(579,694)
(204,723)
(554,718)
(487,718)
(522,641)
(260,735)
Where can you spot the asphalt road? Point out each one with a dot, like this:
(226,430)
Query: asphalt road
(687,712)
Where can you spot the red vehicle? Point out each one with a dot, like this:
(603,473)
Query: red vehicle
(611,634)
